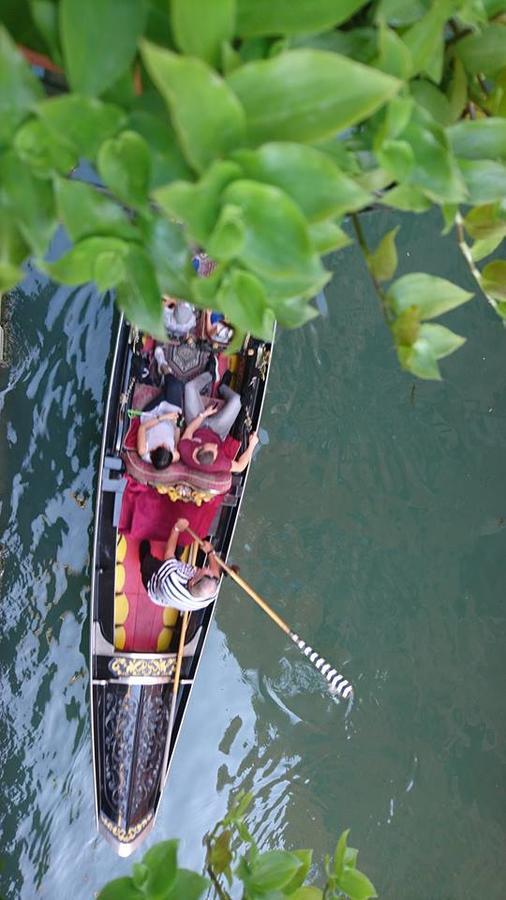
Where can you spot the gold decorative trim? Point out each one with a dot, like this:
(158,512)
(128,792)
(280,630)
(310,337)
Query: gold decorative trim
(125,836)
(123,667)
(185,493)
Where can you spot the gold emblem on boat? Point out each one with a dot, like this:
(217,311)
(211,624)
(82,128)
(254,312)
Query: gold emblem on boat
(123,667)
(125,836)
(185,493)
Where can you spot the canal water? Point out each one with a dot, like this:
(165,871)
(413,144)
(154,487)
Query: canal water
(375,521)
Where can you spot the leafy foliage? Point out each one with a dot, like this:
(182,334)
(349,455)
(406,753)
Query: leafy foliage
(262,875)
(253,128)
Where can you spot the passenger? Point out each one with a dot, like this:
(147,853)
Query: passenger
(179,316)
(218,329)
(159,433)
(170,582)
(201,446)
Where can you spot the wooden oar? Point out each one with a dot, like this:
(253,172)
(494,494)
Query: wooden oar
(179,660)
(338,684)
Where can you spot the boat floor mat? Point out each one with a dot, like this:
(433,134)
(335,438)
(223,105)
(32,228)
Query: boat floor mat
(139,624)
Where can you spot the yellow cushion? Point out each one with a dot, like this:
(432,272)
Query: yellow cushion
(119,637)
(121,549)
(120,609)
(164,639)
(170,615)
(119,580)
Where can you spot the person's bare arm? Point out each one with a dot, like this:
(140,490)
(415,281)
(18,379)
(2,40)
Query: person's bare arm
(197,422)
(214,569)
(170,547)
(240,464)
(142,446)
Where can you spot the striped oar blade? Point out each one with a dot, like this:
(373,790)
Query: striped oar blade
(338,683)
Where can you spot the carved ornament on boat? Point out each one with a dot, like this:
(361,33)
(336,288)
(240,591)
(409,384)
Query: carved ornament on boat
(123,667)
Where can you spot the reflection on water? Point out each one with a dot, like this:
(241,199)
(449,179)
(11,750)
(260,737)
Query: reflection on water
(374,522)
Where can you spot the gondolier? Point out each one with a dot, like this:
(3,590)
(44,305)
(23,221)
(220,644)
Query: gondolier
(170,582)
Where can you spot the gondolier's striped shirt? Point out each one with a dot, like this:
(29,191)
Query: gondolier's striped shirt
(168,587)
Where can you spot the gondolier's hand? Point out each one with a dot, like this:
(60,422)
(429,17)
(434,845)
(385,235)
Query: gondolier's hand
(181,525)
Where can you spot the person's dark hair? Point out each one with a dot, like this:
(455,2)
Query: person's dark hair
(204,588)
(161,457)
(205,457)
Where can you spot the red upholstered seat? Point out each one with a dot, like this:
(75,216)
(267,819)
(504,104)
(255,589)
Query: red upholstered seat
(175,474)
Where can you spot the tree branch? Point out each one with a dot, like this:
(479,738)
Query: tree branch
(387,315)
(466,253)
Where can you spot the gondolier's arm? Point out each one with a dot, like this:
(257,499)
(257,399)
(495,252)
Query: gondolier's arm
(170,547)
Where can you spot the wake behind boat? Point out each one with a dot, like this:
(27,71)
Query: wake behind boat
(143,664)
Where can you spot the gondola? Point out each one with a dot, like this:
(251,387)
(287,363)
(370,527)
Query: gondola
(138,702)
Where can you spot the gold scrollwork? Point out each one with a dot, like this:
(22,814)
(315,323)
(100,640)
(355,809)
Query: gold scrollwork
(185,493)
(123,667)
(125,836)
(264,364)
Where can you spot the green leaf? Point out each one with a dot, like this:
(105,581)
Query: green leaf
(161,863)
(433,296)
(485,180)
(121,889)
(19,89)
(198,205)
(82,122)
(111,36)
(407,198)
(441,340)
(272,870)
(227,239)
(361,44)
(397,158)
(394,57)
(108,270)
(124,166)
(449,212)
(435,169)
(398,114)
(457,90)
(494,279)
(485,221)
(206,114)
(140,874)
(340,852)
(280,95)
(86,212)
(166,246)
(45,17)
(77,266)
(242,299)
(29,201)
(383,262)
(432,99)
(220,855)
(201,27)
(479,139)
(139,296)
(264,17)
(293,312)
(326,236)
(400,13)
(425,35)
(44,152)
(276,238)
(483,52)
(307,893)
(306,859)
(484,247)
(355,884)
(13,251)
(310,178)
(187,885)
(167,161)
(350,857)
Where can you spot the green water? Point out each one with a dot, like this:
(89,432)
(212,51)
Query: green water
(375,521)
